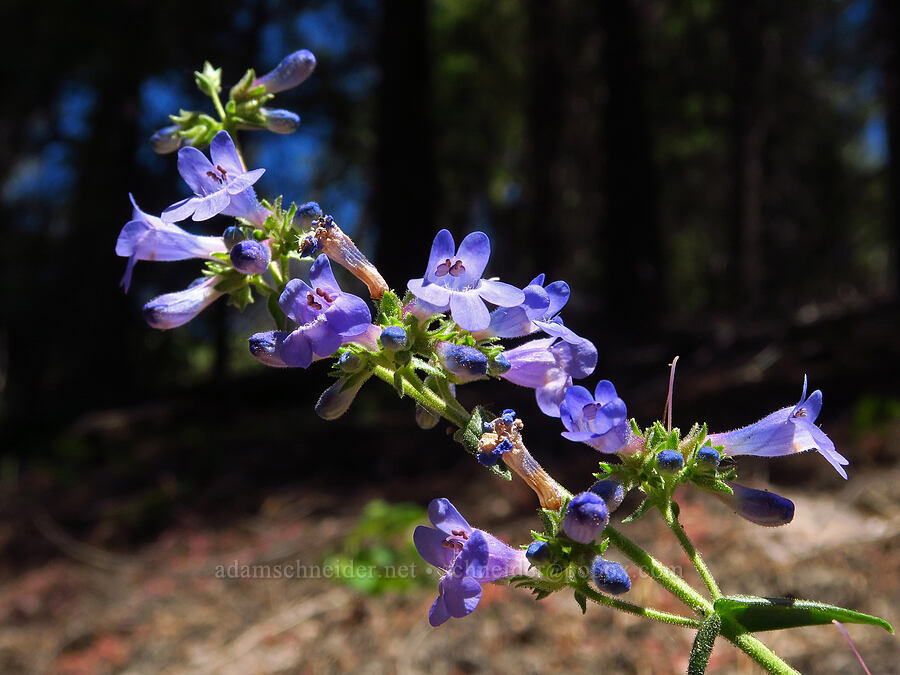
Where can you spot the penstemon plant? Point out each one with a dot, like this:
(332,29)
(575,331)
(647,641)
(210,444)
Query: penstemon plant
(439,334)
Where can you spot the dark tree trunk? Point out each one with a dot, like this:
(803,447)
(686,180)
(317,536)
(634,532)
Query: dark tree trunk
(631,234)
(405,185)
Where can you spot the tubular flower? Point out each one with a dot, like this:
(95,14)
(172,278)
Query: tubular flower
(250,256)
(453,279)
(548,366)
(147,237)
(597,420)
(220,186)
(328,318)
(468,557)
(464,362)
(784,432)
(291,71)
(758,506)
(176,309)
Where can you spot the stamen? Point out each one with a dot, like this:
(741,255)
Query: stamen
(443,269)
(311,301)
(214,176)
(458,269)
(324,295)
(800,413)
(667,413)
(459,533)
(222,171)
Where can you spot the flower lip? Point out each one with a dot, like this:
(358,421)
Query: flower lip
(598,420)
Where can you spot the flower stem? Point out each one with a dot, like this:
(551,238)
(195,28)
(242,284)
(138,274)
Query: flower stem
(692,553)
(756,650)
(659,572)
(414,387)
(648,612)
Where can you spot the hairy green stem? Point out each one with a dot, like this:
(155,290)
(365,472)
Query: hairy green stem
(756,650)
(424,396)
(648,612)
(692,553)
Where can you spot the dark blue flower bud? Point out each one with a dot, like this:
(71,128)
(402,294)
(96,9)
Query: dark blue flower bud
(707,458)
(586,517)
(491,458)
(610,576)
(166,140)
(393,338)
(336,400)
(499,364)
(669,462)
(293,69)
(250,257)
(611,491)
(306,213)
(232,236)
(759,506)
(467,363)
(539,553)
(265,347)
(281,121)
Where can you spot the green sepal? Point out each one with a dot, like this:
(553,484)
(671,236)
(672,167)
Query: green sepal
(240,90)
(549,519)
(760,614)
(231,281)
(638,512)
(209,81)
(582,601)
(389,309)
(711,484)
(241,297)
(703,644)
(424,366)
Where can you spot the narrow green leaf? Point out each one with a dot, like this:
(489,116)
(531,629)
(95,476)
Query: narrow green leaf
(548,520)
(759,614)
(582,601)
(638,512)
(703,644)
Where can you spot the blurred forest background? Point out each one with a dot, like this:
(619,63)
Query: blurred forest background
(714,179)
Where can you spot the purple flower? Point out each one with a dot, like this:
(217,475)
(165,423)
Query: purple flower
(327,318)
(586,517)
(784,432)
(176,309)
(469,558)
(758,506)
(454,280)
(147,237)
(220,186)
(539,311)
(293,69)
(336,400)
(611,491)
(597,420)
(548,366)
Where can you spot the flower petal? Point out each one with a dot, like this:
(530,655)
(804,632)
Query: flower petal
(445,517)
(475,251)
(605,392)
(578,359)
(442,248)
(571,410)
(224,154)
(460,595)
(322,276)
(430,545)
(438,614)
(559,293)
(431,293)
(323,339)
(293,301)
(550,396)
(468,310)
(296,350)
(349,315)
(180,210)
(500,293)
(211,205)
(244,181)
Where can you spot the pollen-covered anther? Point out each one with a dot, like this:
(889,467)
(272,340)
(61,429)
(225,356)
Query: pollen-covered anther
(324,295)
(311,301)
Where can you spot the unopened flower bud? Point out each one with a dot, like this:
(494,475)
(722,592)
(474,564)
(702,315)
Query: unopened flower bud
(759,506)
(264,347)
(350,363)
(426,419)
(293,69)
(610,576)
(336,400)
(393,338)
(707,458)
(281,121)
(307,213)
(166,140)
(499,364)
(586,517)
(250,257)
(539,553)
(467,363)
(669,462)
(232,235)
(611,491)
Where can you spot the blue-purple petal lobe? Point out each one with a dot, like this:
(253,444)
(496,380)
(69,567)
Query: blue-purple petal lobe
(468,310)
(431,293)
(430,545)
(499,293)
(445,517)
(475,251)
(442,248)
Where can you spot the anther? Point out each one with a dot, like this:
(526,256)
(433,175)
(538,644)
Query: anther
(443,269)
(214,176)
(458,269)
(311,301)
(324,295)
(222,171)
